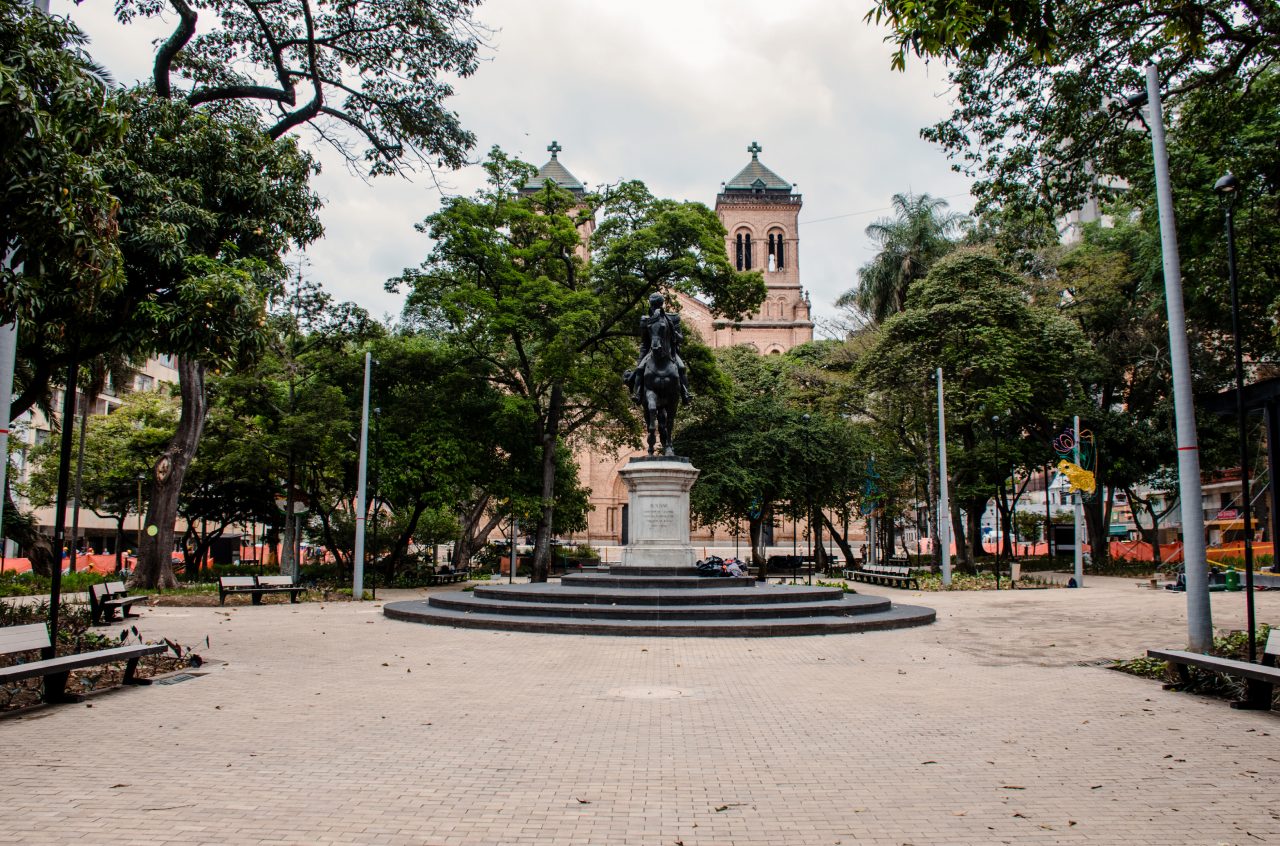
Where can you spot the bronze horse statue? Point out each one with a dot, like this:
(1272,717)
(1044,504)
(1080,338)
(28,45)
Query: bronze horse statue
(660,387)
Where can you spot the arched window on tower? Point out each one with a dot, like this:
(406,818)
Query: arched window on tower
(744,250)
(777,254)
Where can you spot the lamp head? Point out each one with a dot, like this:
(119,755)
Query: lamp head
(1136,100)
(804,417)
(1228,184)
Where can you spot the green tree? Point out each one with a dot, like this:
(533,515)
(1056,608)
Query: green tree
(1041,117)
(555,332)
(1002,356)
(119,450)
(360,73)
(908,244)
(764,450)
(58,128)
(210,205)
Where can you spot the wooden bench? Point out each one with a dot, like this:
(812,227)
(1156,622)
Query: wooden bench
(256,586)
(277,584)
(1259,679)
(890,575)
(57,671)
(447,577)
(109,597)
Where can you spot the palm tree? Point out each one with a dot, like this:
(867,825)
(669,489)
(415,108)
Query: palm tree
(919,233)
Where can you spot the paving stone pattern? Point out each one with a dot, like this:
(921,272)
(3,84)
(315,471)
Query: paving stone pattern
(330,724)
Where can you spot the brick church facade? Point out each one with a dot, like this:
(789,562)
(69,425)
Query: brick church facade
(760,213)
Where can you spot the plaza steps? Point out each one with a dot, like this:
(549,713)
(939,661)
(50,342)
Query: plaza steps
(649,601)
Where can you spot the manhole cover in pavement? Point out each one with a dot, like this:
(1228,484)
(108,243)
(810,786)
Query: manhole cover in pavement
(646,692)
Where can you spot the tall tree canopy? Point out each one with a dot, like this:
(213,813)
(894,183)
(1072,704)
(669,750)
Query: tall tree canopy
(58,130)
(1040,86)
(360,73)
(908,244)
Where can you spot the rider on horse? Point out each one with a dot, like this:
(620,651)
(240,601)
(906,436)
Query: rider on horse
(635,378)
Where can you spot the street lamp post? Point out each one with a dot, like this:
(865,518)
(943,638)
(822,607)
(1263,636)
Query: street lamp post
(808,496)
(1199,612)
(995,428)
(1227,187)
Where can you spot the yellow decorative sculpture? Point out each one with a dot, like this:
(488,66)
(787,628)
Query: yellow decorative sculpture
(1080,478)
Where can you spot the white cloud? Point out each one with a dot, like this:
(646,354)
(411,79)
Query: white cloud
(668,91)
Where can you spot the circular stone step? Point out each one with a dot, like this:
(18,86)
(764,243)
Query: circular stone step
(900,616)
(612,579)
(764,594)
(804,607)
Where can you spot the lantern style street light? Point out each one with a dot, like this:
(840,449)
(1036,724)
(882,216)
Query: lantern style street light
(1228,187)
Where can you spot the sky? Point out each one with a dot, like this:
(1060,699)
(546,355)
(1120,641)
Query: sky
(670,92)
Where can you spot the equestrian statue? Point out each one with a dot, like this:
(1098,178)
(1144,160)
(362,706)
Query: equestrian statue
(659,380)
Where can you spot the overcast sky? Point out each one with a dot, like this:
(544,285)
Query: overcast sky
(667,91)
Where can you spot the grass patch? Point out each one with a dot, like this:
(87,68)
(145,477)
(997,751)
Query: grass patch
(932,582)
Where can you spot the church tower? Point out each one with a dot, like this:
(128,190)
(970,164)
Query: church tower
(760,211)
(557,174)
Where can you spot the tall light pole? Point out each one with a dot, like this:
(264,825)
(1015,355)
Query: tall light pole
(357,559)
(1227,187)
(944,500)
(1078,510)
(1199,614)
(995,428)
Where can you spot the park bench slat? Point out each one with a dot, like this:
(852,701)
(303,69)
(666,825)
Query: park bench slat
(56,671)
(23,638)
(1260,679)
(107,598)
(257,586)
(80,660)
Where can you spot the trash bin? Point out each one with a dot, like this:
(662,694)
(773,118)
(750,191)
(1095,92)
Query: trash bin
(1233,579)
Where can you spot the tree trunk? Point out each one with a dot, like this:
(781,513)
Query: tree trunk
(75,496)
(841,540)
(155,559)
(475,530)
(395,557)
(550,439)
(1095,531)
(964,553)
(977,505)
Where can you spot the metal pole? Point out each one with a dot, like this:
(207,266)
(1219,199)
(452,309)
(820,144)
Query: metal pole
(944,498)
(1048,518)
(1199,614)
(515,536)
(1273,473)
(1079,515)
(357,581)
(1246,502)
(8,357)
(999,495)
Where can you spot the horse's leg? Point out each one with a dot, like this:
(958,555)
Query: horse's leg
(668,422)
(650,418)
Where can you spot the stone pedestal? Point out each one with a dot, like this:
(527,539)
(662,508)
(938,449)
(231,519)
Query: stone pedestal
(658,516)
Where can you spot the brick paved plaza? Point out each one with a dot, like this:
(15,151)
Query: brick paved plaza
(331,724)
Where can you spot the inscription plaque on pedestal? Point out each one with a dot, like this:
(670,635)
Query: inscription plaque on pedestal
(658,516)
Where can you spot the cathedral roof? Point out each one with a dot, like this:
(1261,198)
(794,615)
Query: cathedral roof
(755,176)
(556,173)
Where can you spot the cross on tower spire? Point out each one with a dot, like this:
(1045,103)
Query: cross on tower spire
(755,149)
(555,148)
